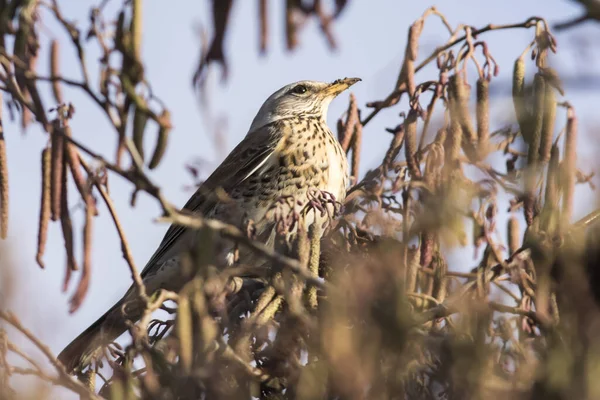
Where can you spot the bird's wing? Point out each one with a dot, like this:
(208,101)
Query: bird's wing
(245,159)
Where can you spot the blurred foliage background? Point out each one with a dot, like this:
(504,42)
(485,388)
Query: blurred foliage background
(464,263)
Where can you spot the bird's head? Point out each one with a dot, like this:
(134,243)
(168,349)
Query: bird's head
(310,98)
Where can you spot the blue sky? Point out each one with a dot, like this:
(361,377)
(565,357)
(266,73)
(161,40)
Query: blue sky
(371,37)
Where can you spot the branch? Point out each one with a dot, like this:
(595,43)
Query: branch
(63,378)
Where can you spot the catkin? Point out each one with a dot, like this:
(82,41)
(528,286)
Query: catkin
(459,90)
(161,144)
(264,27)
(535,129)
(549,217)
(3,179)
(518,93)
(74,163)
(548,124)
(537,120)
(3,186)
(136,29)
(56,166)
(453,138)
(514,235)
(410,144)
(352,119)
(44,208)
(67,225)
(184,332)
(482,113)
(86,273)
(356,146)
(552,188)
(55,72)
(440,282)
(569,165)
(314,236)
(140,118)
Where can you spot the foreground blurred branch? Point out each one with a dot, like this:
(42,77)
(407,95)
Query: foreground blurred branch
(63,378)
(592,13)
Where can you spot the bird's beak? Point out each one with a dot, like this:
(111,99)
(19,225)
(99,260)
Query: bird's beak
(338,86)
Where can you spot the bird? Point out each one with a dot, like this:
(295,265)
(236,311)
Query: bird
(288,152)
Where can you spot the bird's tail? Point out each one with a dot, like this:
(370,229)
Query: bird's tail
(80,352)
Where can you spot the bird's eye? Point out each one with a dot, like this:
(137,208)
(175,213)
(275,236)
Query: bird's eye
(300,89)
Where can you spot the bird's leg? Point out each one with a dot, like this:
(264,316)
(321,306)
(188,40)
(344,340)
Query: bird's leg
(160,327)
(170,310)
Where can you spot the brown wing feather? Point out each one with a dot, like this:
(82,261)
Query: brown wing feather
(242,161)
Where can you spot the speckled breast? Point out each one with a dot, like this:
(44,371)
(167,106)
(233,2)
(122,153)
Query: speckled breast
(307,167)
